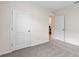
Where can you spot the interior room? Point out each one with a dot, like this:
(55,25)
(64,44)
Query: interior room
(39,28)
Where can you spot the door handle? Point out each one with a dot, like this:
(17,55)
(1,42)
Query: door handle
(28,30)
(63,29)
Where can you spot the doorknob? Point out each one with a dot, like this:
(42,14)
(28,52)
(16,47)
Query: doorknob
(28,30)
(63,29)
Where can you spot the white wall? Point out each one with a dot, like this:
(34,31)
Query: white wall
(71,23)
(39,25)
(4,28)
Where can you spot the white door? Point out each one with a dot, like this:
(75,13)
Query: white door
(59,28)
(20,30)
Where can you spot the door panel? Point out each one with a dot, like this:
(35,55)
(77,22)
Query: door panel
(59,28)
(21,25)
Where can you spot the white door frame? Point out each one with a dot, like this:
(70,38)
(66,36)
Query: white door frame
(11,48)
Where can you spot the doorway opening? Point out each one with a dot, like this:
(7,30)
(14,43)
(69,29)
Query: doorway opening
(51,27)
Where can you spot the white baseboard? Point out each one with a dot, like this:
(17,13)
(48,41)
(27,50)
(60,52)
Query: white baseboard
(6,52)
(34,44)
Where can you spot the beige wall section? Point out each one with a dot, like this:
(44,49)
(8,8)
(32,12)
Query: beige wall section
(52,24)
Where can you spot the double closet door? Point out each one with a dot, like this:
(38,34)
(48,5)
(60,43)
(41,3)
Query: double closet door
(20,29)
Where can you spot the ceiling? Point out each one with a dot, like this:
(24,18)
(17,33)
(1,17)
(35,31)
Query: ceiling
(53,5)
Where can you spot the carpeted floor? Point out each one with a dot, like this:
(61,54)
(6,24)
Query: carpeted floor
(53,49)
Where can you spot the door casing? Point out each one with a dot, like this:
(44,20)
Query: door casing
(17,34)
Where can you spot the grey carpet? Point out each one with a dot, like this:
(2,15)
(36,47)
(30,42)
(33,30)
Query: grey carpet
(53,49)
